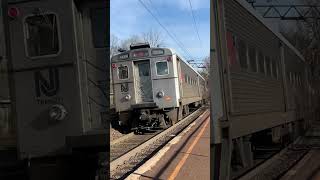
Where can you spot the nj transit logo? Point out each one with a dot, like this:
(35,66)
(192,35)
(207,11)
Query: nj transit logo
(47,82)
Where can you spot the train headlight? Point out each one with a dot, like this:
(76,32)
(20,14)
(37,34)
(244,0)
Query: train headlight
(57,112)
(127,97)
(160,94)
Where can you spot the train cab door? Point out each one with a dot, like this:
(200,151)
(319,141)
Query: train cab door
(92,33)
(7,126)
(143,82)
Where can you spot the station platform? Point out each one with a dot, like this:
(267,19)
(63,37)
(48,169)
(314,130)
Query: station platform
(187,156)
(308,168)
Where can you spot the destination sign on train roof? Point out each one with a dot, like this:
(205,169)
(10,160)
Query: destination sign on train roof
(140,53)
(124,56)
(157,52)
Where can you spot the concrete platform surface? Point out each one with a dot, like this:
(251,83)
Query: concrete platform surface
(185,157)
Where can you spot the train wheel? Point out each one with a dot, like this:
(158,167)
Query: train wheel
(163,122)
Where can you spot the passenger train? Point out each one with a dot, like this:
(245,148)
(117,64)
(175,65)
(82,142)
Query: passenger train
(262,88)
(154,87)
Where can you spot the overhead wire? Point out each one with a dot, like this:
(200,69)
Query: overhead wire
(173,37)
(195,23)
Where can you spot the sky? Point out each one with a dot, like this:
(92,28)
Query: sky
(130,17)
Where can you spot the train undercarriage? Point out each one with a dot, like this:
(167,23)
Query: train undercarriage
(150,119)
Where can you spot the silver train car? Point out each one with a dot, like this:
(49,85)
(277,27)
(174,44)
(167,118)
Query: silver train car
(154,87)
(260,83)
(55,51)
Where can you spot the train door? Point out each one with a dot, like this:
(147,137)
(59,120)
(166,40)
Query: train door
(95,67)
(143,81)
(7,126)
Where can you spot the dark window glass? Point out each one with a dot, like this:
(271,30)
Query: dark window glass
(123,72)
(42,35)
(242,54)
(144,69)
(268,66)
(274,68)
(162,68)
(252,59)
(99,27)
(278,70)
(261,62)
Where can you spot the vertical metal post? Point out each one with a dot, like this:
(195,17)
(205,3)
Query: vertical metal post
(221,144)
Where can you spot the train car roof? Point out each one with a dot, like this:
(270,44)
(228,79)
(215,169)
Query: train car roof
(249,8)
(172,52)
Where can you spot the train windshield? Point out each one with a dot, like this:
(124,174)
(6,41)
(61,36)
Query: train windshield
(162,68)
(41,35)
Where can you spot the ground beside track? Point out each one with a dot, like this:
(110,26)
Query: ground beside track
(115,134)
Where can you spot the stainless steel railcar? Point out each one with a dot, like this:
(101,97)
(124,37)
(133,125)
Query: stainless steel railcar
(55,103)
(154,87)
(259,82)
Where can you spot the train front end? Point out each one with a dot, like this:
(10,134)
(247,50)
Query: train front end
(146,86)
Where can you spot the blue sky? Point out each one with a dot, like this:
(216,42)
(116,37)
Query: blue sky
(129,17)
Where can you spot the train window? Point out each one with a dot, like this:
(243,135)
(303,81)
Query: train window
(278,70)
(252,59)
(144,69)
(123,72)
(162,68)
(41,35)
(242,54)
(268,66)
(99,28)
(274,68)
(261,62)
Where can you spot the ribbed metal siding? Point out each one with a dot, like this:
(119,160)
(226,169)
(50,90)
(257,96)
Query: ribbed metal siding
(296,101)
(253,92)
(189,90)
(4,86)
(6,125)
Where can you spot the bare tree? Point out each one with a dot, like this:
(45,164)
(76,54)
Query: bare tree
(153,37)
(125,44)
(114,45)
(206,70)
(306,38)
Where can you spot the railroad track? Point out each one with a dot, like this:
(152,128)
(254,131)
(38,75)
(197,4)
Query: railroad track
(131,152)
(278,166)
